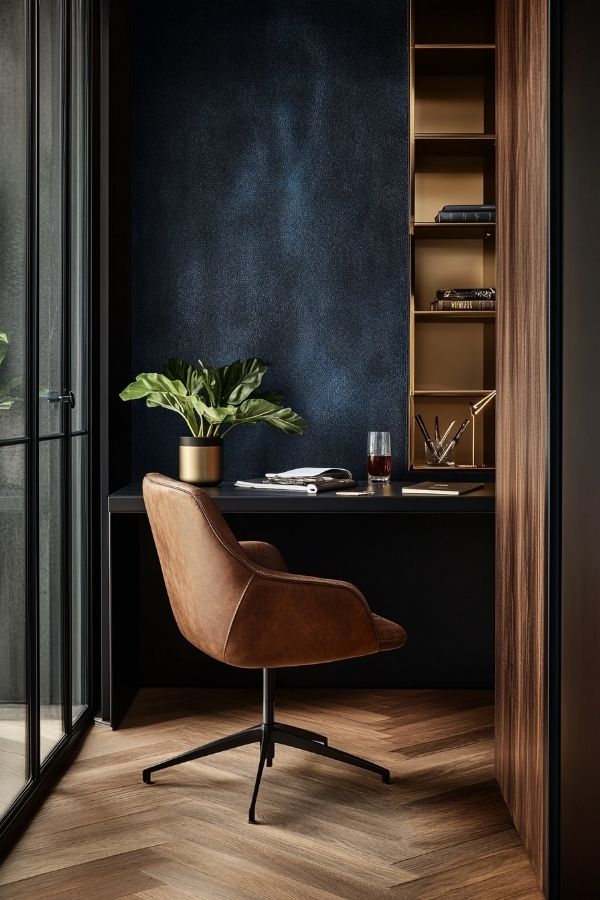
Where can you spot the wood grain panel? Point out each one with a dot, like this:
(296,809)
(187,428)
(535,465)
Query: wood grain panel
(327,832)
(521,416)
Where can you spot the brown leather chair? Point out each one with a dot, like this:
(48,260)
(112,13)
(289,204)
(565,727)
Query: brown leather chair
(237,602)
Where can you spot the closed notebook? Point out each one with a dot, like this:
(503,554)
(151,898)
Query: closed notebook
(439,488)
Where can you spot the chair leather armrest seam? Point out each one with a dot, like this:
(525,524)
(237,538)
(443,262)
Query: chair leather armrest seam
(239,603)
(325,582)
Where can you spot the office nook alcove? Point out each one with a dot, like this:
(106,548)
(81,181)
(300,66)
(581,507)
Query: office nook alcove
(342,255)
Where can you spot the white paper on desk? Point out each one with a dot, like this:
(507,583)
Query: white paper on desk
(311,472)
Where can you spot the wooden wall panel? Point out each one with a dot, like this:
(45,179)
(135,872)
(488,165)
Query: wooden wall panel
(522,416)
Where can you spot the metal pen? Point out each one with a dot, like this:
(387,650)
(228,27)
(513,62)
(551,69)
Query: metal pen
(429,443)
(455,439)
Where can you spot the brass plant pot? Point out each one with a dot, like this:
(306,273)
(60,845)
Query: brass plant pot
(201,460)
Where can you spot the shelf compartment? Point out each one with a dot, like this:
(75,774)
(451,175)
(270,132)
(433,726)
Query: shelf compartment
(447,264)
(440,180)
(470,21)
(474,230)
(452,356)
(454,144)
(456,408)
(454,315)
(450,60)
(451,104)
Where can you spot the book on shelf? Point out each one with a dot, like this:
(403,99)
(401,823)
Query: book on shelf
(468,305)
(474,215)
(309,480)
(468,207)
(465,294)
(440,489)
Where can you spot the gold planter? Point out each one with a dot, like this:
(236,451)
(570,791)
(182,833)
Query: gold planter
(201,460)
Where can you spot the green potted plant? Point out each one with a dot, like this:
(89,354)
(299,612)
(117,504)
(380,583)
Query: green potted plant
(212,401)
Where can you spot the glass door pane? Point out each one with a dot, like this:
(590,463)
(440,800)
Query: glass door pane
(51,200)
(79,211)
(50,594)
(14,765)
(13,219)
(14,738)
(79,575)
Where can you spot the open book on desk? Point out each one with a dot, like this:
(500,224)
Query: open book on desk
(311,480)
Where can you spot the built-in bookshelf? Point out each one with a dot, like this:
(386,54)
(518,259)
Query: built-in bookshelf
(453,161)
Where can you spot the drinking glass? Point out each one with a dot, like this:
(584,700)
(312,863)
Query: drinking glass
(379,457)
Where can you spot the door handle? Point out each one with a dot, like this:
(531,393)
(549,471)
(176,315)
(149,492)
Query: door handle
(64,398)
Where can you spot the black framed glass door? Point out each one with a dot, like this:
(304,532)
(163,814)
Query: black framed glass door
(44,379)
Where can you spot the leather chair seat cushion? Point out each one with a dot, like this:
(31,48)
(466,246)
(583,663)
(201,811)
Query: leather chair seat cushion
(391,635)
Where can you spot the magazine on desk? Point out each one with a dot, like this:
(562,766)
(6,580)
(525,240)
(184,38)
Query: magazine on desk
(309,480)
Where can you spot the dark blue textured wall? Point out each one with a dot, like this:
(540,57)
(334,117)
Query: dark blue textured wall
(270,203)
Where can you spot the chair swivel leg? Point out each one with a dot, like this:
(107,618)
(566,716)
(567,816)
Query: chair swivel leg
(264,752)
(248,736)
(283,736)
(303,732)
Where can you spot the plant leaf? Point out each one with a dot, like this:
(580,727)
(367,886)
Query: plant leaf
(214,415)
(240,379)
(275,397)
(152,383)
(179,370)
(212,383)
(255,411)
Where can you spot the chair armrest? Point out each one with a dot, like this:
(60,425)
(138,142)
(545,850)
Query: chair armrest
(295,620)
(265,555)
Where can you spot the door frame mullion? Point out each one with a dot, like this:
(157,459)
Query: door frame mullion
(66,580)
(32,370)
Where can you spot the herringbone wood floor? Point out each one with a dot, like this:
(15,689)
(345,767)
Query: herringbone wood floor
(326,831)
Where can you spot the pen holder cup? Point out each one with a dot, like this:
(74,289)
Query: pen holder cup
(442,455)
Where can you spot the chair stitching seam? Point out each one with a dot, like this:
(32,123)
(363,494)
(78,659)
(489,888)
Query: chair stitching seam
(233,618)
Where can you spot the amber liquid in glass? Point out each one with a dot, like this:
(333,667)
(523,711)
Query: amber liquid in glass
(379,466)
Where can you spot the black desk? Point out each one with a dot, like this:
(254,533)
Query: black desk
(427,561)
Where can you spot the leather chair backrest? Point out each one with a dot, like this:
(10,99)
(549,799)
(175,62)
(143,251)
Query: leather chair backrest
(205,570)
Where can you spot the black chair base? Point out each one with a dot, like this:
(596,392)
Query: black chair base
(268,734)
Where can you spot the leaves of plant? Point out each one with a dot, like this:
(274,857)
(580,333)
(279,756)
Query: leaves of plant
(214,415)
(152,383)
(255,411)
(208,397)
(240,379)
(275,397)
(188,374)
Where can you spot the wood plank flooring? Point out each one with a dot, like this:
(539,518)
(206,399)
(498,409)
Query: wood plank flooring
(325,831)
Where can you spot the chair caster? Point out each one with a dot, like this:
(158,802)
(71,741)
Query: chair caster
(147,777)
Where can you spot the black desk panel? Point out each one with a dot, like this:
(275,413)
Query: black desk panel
(427,562)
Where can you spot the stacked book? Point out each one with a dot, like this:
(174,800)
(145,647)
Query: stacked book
(465,298)
(479,212)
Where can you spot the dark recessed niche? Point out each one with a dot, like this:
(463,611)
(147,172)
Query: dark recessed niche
(460,22)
